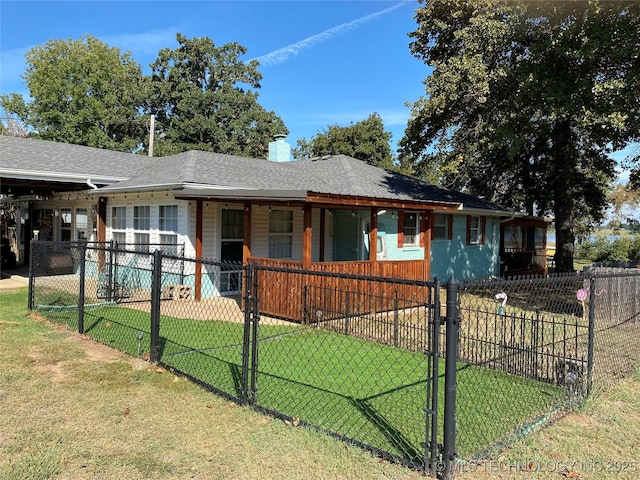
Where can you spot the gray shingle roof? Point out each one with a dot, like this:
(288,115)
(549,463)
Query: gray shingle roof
(332,175)
(66,160)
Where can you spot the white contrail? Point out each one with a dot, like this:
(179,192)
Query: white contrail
(283,54)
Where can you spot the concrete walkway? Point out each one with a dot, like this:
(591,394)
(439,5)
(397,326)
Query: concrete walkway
(14,279)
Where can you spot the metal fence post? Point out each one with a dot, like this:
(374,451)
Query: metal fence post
(253,392)
(450,381)
(156,286)
(433,382)
(110,271)
(395,319)
(347,312)
(31,278)
(248,310)
(592,328)
(81,300)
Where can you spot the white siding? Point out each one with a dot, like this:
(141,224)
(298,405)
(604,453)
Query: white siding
(260,231)
(298,223)
(210,229)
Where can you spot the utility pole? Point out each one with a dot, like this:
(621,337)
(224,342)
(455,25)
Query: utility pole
(152,127)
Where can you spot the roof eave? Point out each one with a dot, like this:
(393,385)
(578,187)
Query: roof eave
(54,176)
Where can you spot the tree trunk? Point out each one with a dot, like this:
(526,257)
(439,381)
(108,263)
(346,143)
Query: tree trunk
(565,161)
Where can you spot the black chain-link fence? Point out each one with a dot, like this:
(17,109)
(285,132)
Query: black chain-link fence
(362,358)
(565,335)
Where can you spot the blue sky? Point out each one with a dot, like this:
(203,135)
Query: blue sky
(323,62)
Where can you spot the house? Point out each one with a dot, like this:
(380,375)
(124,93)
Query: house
(316,212)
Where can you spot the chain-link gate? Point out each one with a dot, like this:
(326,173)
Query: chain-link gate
(357,357)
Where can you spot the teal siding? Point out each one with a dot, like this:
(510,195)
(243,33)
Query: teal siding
(449,256)
(408,252)
(455,257)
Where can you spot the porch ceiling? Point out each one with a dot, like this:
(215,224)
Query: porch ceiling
(17,187)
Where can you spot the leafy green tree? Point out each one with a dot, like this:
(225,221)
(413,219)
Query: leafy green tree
(621,197)
(526,101)
(200,99)
(366,140)
(82,92)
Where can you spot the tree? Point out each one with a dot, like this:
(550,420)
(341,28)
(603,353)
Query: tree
(622,197)
(83,92)
(200,101)
(11,126)
(365,140)
(526,101)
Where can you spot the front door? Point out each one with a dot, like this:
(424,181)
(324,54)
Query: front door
(346,235)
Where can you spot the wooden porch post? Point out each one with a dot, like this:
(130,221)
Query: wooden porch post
(426,224)
(323,219)
(101,220)
(246,241)
(101,229)
(198,279)
(373,236)
(306,237)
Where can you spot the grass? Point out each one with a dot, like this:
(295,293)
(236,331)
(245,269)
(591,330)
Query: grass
(74,409)
(365,391)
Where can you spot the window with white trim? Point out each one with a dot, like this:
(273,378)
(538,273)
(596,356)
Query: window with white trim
(141,227)
(280,233)
(168,225)
(65,224)
(411,229)
(119,224)
(82,224)
(169,244)
(474,234)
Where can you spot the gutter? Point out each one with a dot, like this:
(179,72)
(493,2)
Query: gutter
(54,176)
(513,215)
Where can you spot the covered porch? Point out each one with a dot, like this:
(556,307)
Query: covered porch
(336,233)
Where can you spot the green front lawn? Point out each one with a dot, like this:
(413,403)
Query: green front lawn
(371,393)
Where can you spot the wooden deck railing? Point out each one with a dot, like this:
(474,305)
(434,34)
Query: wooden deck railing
(299,296)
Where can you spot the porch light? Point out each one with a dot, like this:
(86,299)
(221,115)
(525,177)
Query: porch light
(353,213)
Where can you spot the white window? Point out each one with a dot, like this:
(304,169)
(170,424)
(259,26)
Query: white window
(119,224)
(440,227)
(169,218)
(474,230)
(141,227)
(280,233)
(119,238)
(169,227)
(169,244)
(82,224)
(65,224)
(411,228)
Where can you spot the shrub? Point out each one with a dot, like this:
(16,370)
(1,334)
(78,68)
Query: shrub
(600,249)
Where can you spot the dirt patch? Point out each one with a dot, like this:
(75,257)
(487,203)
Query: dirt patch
(93,352)
(97,352)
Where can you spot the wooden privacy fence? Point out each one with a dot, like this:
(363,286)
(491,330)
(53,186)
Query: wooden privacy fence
(285,287)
